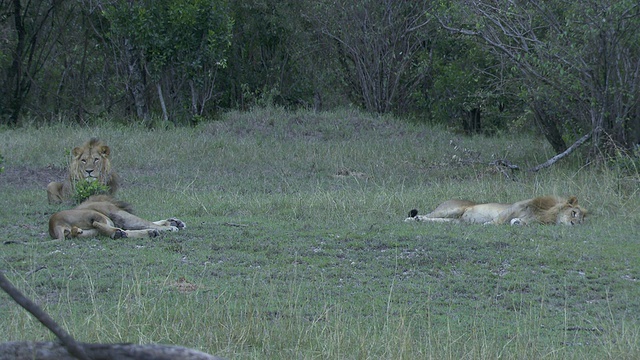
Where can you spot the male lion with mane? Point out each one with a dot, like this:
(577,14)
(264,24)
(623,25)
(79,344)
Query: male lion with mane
(540,210)
(89,162)
(101,214)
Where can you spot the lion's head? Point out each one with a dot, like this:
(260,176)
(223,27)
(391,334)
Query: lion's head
(570,213)
(89,172)
(564,211)
(91,162)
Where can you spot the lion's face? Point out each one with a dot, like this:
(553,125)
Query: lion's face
(571,213)
(91,162)
(571,216)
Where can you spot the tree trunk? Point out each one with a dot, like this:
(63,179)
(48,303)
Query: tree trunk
(165,115)
(549,127)
(194,99)
(472,122)
(136,80)
(14,78)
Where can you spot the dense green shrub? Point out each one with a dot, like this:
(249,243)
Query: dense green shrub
(86,188)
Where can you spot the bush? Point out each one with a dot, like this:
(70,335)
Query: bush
(86,188)
(626,162)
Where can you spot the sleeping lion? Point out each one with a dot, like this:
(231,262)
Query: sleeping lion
(540,210)
(102,215)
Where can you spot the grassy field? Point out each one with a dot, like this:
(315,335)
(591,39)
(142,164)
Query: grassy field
(296,248)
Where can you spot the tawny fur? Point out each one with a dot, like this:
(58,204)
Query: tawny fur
(103,215)
(91,161)
(541,210)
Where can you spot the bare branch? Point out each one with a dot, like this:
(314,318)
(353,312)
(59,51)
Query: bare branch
(66,339)
(71,350)
(554,159)
(28,350)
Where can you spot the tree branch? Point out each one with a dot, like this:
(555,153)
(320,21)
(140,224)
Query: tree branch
(29,350)
(66,339)
(571,148)
(71,350)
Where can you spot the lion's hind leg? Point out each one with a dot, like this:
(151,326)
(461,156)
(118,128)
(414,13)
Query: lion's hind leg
(83,233)
(128,221)
(420,218)
(77,224)
(108,228)
(136,227)
(141,234)
(448,211)
(434,219)
(105,226)
(118,233)
(172,223)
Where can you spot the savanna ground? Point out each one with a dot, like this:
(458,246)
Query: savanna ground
(296,248)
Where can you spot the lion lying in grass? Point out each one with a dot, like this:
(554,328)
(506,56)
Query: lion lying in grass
(540,210)
(89,162)
(100,214)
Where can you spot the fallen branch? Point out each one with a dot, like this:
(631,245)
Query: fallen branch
(234,224)
(23,350)
(67,340)
(69,349)
(554,159)
(502,165)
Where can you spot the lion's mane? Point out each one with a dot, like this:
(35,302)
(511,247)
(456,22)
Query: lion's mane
(92,162)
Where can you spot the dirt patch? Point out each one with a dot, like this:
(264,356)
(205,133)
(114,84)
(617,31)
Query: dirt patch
(184,286)
(27,178)
(344,172)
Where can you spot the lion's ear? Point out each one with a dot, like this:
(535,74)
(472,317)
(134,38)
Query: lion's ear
(105,151)
(573,201)
(76,152)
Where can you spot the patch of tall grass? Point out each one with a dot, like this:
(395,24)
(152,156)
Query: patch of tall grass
(295,245)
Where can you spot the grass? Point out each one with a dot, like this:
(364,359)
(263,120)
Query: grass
(295,245)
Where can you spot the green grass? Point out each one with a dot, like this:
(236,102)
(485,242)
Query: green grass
(284,258)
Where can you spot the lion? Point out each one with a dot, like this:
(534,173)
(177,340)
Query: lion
(540,210)
(91,162)
(103,215)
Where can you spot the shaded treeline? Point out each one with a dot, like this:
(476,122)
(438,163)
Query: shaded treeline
(570,68)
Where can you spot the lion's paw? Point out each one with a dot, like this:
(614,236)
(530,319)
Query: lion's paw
(179,224)
(516,221)
(153,233)
(119,234)
(75,231)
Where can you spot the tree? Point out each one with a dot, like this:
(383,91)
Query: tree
(174,47)
(468,85)
(578,62)
(377,43)
(268,54)
(37,26)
